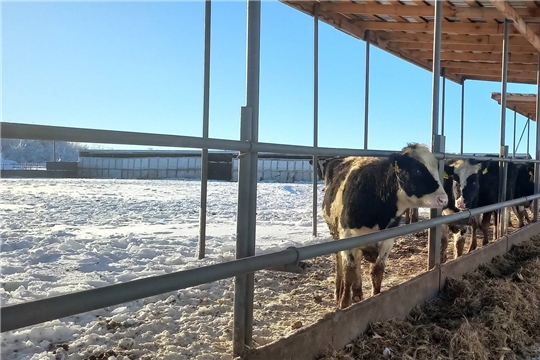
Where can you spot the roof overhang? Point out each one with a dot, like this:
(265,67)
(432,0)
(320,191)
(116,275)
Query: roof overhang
(472,33)
(524,104)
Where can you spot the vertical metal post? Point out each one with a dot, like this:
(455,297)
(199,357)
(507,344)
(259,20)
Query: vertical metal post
(514,141)
(528,132)
(315,109)
(206,120)
(367,39)
(537,152)
(437,142)
(504,181)
(502,165)
(462,114)
(247,184)
(54,151)
(443,99)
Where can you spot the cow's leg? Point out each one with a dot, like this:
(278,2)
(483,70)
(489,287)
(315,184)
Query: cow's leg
(486,219)
(444,242)
(377,268)
(349,278)
(408,216)
(339,277)
(459,241)
(475,225)
(357,284)
(414,215)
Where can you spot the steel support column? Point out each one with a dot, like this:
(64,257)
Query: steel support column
(366,89)
(315,109)
(462,114)
(247,184)
(504,77)
(514,141)
(437,142)
(206,119)
(537,152)
(528,132)
(443,100)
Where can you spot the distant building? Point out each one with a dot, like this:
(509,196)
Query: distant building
(186,164)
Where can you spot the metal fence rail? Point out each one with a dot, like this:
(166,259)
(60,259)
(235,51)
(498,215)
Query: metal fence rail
(35,312)
(60,133)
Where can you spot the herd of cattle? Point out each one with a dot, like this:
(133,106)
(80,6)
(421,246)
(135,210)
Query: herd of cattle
(367,194)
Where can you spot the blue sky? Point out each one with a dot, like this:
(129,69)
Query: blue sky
(139,67)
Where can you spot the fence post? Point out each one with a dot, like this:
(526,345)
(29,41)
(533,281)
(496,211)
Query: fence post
(437,141)
(503,176)
(315,110)
(247,184)
(537,152)
(206,120)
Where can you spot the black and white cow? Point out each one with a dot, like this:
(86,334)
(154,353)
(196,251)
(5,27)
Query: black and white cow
(477,185)
(524,187)
(366,194)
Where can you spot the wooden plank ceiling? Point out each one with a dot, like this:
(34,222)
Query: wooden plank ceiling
(472,33)
(524,104)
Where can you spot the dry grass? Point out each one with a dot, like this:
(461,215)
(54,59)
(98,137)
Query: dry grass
(491,313)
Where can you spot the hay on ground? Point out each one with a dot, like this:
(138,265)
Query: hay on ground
(491,313)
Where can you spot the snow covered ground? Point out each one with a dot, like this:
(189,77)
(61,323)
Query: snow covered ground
(65,235)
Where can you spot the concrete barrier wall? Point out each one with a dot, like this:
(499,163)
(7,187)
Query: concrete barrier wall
(338,328)
(35,174)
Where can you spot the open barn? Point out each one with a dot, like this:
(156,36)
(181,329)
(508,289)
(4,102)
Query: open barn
(124,268)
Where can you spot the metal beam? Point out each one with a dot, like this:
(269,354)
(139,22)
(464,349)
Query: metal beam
(366,90)
(502,166)
(315,111)
(247,184)
(206,120)
(462,116)
(443,100)
(537,152)
(437,142)
(514,141)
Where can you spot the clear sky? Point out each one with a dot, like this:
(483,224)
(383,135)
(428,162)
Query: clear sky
(139,66)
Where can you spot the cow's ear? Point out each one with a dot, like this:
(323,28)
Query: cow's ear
(485,166)
(448,171)
(473,161)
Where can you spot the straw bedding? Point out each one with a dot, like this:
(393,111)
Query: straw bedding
(491,313)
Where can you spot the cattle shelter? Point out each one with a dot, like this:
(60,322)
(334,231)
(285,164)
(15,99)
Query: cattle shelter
(461,41)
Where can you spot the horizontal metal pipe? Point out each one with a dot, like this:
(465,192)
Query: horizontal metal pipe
(34,312)
(59,133)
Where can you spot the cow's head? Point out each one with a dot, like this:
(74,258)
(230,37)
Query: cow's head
(418,177)
(467,175)
(325,167)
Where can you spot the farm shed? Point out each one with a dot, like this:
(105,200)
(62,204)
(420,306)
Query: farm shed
(172,164)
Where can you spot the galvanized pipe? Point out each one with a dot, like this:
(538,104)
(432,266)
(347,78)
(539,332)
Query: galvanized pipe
(35,312)
(315,111)
(528,133)
(443,99)
(462,117)
(537,152)
(366,89)
(437,143)
(206,121)
(514,141)
(502,166)
(521,137)
(45,132)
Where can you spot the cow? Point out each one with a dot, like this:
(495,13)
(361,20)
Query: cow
(524,187)
(460,231)
(367,194)
(477,185)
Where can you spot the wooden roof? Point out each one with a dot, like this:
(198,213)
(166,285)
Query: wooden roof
(524,104)
(472,33)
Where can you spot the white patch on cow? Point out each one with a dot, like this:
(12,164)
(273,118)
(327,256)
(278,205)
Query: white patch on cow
(464,169)
(426,157)
(348,233)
